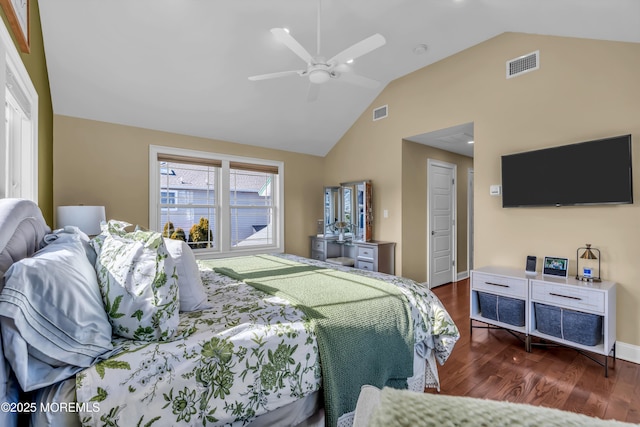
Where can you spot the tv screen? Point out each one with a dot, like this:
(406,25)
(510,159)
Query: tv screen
(587,173)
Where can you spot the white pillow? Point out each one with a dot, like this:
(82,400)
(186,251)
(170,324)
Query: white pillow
(192,294)
(53,320)
(139,282)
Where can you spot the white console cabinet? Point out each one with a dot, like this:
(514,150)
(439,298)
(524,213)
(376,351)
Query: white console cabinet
(592,298)
(498,281)
(555,309)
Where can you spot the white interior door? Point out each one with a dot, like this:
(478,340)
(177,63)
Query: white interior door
(441,217)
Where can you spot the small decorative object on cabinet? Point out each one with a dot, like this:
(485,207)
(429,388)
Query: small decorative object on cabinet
(576,314)
(499,299)
(588,273)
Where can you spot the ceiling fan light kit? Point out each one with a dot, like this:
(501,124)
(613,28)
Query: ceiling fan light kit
(319,70)
(319,76)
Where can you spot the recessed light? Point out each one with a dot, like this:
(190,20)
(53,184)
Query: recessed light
(420,49)
(470,142)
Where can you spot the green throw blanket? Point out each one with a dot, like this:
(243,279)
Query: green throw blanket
(364,326)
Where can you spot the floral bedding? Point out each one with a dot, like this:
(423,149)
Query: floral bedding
(249,354)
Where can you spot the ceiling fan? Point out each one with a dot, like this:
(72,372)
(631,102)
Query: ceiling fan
(320,70)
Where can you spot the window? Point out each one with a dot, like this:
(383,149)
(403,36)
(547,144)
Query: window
(168,198)
(219,204)
(251,206)
(19,141)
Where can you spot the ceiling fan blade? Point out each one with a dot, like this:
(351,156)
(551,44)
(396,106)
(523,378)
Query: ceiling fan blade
(312,95)
(287,39)
(362,47)
(359,80)
(275,75)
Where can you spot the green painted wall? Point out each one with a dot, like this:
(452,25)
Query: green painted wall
(36,66)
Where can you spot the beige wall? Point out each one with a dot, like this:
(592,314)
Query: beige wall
(584,90)
(414,207)
(108,164)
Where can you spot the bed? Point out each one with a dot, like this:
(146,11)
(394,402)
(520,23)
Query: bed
(247,349)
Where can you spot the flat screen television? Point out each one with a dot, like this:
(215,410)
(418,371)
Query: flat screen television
(586,173)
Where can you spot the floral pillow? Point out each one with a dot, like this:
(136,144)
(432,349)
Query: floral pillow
(138,282)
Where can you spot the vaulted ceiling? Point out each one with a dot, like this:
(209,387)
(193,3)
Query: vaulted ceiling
(183,65)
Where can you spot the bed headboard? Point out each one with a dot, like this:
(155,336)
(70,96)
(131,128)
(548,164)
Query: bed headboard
(22,228)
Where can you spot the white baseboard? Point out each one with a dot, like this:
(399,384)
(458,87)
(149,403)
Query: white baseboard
(462,275)
(628,352)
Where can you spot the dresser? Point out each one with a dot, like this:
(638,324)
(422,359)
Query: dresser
(374,255)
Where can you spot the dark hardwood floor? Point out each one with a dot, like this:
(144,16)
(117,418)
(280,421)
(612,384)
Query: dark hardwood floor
(493,364)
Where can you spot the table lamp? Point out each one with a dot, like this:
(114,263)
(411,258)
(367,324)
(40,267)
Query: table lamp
(86,218)
(588,253)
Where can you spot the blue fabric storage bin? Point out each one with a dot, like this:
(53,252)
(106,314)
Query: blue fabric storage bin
(548,319)
(503,309)
(571,325)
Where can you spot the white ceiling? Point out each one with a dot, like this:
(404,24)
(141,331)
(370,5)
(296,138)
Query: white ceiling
(183,65)
(457,139)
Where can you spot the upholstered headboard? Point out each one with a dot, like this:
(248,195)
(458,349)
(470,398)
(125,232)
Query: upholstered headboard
(22,228)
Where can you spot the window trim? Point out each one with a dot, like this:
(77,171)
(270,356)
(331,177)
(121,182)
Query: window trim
(223,248)
(11,61)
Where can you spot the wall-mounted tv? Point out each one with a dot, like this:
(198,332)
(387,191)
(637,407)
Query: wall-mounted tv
(586,173)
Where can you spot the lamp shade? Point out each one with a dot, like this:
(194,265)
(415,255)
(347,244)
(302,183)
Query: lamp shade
(86,218)
(588,253)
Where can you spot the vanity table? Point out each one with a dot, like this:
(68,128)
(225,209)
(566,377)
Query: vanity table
(374,255)
(346,234)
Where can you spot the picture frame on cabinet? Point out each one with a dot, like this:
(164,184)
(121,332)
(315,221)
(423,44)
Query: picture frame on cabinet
(555,266)
(18,13)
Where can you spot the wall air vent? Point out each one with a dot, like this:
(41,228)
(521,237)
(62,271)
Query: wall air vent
(523,64)
(380,112)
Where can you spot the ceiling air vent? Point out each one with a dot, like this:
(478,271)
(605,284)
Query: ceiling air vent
(380,113)
(523,64)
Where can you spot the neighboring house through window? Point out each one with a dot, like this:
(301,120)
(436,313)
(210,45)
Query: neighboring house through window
(218,203)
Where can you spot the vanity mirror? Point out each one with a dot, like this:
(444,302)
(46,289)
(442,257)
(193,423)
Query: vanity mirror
(332,210)
(348,212)
(345,234)
(357,209)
